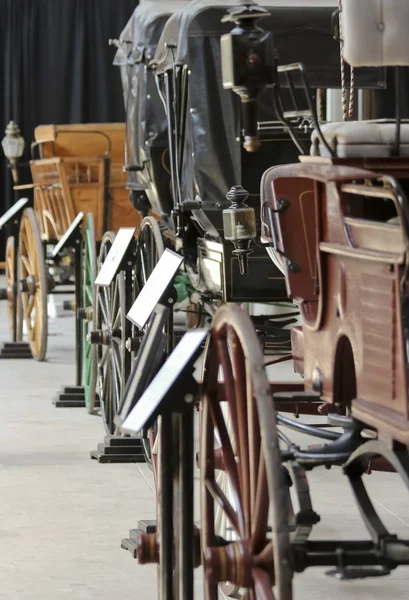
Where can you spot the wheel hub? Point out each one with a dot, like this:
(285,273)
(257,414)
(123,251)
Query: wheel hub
(147,549)
(7,293)
(101,337)
(29,285)
(132,344)
(232,562)
(85,314)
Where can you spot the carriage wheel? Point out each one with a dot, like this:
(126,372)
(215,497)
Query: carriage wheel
(252,561)
(150,249)
(88,304)
(10,283)
(110,340)
(33,284)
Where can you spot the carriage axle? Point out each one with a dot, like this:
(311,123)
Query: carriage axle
(7,293)
(353,559)
(29,285)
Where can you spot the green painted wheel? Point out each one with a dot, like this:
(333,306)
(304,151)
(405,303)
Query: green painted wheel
(89,270)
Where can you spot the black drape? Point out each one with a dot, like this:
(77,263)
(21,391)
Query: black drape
(56,67)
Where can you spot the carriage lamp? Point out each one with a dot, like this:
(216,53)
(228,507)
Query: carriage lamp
(13,147)
(247,64)
(239,225)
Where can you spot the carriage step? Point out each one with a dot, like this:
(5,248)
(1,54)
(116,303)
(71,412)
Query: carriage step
(15,350)
(358,572)
(119,449)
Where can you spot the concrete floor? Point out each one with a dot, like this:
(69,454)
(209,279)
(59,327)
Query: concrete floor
(62,515)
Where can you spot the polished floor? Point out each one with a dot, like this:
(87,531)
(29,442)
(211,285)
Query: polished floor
(62,515)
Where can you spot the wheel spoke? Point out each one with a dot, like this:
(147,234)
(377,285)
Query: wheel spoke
(106,293)
(117,321)
(260,510)
(242,442)
(115,380)
(229,459)
(26,264)
(262,585)
(114,304)
(102,306)
(30,305)
(219,496)
(104,357)
(228,379)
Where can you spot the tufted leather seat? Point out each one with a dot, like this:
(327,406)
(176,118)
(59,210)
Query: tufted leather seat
(352,139)
(374,34)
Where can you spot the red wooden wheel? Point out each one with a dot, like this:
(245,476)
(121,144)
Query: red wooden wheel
(255,560)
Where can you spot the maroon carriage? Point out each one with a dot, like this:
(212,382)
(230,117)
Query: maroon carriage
(337,224)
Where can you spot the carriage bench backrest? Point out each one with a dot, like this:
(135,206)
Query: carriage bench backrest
(375,32)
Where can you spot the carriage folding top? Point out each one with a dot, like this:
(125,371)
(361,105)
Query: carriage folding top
(146,128)
(212,156)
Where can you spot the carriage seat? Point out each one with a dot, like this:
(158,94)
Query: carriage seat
(354,139)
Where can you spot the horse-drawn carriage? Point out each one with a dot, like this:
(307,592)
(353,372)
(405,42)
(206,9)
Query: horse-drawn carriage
(337,227)
(79,169)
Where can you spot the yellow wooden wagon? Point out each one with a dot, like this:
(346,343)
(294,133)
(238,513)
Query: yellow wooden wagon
(79,169)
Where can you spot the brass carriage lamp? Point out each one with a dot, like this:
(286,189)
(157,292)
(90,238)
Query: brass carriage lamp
(13,147)
(239,226)
(247,64)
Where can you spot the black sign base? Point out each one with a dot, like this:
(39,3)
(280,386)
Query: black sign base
(15,350)
(118,449)
(70,397)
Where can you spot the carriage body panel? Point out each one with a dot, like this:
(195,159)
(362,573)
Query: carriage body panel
(354,349)
(80,169)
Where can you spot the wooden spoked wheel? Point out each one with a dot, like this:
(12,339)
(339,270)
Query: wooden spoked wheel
(110,340)
(12,305)
(150,249)
(254,560)
(88,305)
(33,284)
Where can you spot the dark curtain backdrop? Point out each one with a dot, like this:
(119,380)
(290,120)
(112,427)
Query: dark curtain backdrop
(56,67)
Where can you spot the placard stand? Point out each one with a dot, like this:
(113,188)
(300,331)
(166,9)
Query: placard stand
(17,348)
(176,483)
(73,396)
(119,449)
(171,398)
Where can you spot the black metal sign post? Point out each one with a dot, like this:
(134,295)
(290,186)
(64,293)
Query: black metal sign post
(73,395)
(16,348)
(170,398)
(157,296)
